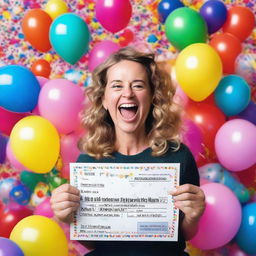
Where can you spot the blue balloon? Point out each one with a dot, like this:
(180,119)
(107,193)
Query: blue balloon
(165,7)
(20,194)
(214,13)
(246,235)
(232,95)
(69,36)
(9,248)
(19,89)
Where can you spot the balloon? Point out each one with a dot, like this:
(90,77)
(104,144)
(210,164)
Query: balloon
(8,120)
(19,89)
(12,159)
(20,194)
(221,218)
(35,26)
(228,48)
(113,15)
(10,217)
(6,185)
(249,113)
(214,13)
(41,68)
(60,102)
(55,8)
(3,144)
(48,237)
(184,27)
(69,36)
(42,80)
(126,37)
(245,237)
(9,248)
(165,7)
(69,151)
(44,209)
(234,250)
(235,144)
(198,71)
(31,179)
(209,119)
(192,137)
(100,52)
(35,143)
(247,177)
(240,22)
(232,95)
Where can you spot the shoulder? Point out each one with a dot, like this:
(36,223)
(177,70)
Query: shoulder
(85,158)
(183,150)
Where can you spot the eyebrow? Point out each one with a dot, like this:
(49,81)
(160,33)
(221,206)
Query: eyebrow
(134,81)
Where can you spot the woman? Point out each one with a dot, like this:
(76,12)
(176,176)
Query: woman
(133,119)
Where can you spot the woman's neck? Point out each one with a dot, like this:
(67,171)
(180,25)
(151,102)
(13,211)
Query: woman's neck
(130,145)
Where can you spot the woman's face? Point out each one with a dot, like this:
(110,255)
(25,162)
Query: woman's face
(128,97)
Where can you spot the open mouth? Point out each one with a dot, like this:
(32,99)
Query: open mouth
(128,111)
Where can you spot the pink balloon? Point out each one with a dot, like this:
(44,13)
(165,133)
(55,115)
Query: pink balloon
(12,159)
(192,137)
(221,218)
(42,80)
(69,152)
(8,119)
(235,144)
(60,101)
(44,209)
(234,250)
(100,52)
(113,15)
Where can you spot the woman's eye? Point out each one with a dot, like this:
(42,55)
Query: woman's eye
(116,86)
(138,86)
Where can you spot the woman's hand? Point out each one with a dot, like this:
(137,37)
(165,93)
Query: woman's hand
(65,201)
(190,199)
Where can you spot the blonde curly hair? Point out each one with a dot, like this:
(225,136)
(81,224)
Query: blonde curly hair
(163,123)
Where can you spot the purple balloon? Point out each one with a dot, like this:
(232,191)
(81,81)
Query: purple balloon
(3,144)
(9,248)
(214,13)
(249,113)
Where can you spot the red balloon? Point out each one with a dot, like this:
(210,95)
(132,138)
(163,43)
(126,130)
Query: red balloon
(209,119)
(248,177)
(10,217)
(41,68)
(35,26)
(228,48)
(8,119)
(240,22)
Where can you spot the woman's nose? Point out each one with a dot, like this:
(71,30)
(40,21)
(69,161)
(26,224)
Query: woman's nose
(127,91)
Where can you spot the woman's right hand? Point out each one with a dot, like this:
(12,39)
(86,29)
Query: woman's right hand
(65,201)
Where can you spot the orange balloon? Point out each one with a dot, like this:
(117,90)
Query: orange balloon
(41,68)
(240,22)
(228,48)
(35,26)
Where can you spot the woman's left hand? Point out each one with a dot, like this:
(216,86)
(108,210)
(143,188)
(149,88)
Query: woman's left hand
(190,199)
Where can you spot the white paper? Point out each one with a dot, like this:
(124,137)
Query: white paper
(125,202)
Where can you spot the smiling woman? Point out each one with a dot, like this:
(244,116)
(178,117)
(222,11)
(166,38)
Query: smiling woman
(131,96)
(133,119)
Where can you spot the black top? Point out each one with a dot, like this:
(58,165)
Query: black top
(188,174)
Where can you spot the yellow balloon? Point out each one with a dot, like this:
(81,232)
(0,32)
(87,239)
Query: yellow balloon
(35,143)
(40,236)
(198,70)
(55,8)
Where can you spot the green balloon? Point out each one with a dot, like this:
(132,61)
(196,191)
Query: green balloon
(31,179)
(184,26)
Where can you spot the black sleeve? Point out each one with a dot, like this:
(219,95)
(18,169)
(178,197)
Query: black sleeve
(190,171)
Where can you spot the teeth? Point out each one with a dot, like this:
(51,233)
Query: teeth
(127,105)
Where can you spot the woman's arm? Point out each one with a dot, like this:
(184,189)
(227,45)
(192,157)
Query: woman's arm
(190,200)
